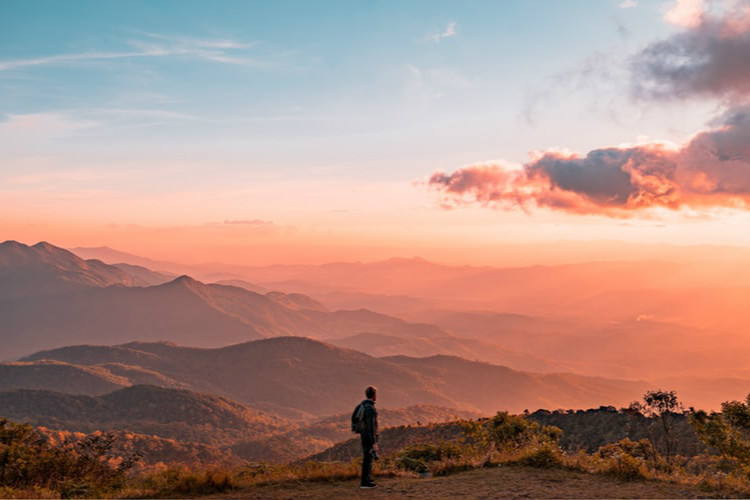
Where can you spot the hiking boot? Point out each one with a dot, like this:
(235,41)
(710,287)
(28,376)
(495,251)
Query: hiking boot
(368,486)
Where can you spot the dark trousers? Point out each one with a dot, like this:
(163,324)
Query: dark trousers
(366,461)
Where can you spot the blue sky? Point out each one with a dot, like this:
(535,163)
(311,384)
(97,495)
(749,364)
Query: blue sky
(362,76)
(141,102)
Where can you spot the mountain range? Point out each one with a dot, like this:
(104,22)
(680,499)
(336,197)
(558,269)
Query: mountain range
(301,378)
(658,312)
(622,320)
(701,286)
(49,298)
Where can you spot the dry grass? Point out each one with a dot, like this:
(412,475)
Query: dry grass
(505,481)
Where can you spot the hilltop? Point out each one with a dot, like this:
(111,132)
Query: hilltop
(480,484)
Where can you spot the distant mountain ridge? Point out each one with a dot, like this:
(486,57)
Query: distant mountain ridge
(697,286)
(45,269)
(302,378)
(51,298)
(381,345)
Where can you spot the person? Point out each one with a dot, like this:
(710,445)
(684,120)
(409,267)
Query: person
(369,437)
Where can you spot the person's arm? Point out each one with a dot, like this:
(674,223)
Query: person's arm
(371,422)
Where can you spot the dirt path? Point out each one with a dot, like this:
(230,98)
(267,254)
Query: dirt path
(498,483)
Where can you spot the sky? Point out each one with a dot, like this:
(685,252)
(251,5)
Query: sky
(295,131)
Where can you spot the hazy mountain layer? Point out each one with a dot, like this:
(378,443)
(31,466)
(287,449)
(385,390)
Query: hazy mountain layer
(44,269)
(299,377)
(53,298)
(389,345)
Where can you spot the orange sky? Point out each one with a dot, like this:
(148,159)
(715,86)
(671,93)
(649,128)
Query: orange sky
(264,138)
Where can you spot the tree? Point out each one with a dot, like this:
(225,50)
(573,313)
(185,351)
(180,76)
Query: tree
(661,406)
(727,431)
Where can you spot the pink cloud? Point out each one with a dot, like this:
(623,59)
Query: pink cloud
(709,58)
(712,169)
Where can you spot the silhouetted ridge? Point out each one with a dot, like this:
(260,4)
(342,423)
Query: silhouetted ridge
(44,269)
(11,245)
(184,279)
(171,413)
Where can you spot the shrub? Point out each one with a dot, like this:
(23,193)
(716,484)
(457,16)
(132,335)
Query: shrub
(436,458)
(509,434)
(544,456)
(624,467)
(183,481)
(626,459)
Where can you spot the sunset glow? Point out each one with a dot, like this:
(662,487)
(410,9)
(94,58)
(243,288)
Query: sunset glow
(250,136)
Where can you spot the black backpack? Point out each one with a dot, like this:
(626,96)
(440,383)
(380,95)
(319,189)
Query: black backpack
(358,419)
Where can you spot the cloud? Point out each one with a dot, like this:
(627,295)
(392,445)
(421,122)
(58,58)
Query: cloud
(709,58)
(711,170)
(37,124)
(68,58)
(448,31)
(135,113)
(628,4)
(151,45)
(248,222)
(687,13)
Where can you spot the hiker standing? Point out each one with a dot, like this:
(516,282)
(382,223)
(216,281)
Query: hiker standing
(365,422)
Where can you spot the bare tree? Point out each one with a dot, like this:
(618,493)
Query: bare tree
(663,407)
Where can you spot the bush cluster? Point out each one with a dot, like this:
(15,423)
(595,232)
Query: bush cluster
(84,468)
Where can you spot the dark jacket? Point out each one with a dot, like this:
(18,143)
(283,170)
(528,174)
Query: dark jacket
(371,421)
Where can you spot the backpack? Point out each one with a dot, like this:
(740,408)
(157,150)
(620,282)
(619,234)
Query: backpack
(358,419)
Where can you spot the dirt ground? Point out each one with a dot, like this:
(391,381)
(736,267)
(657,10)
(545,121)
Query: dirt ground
(503,482)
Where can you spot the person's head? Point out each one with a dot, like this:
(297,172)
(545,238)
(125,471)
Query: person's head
(371,393)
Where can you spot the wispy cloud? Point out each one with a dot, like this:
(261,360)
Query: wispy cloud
(249,222)
(65,178)
(69,58)
(47,123)
(135,113)
(628,4)
(447,32)
(152,45)
(61,123)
